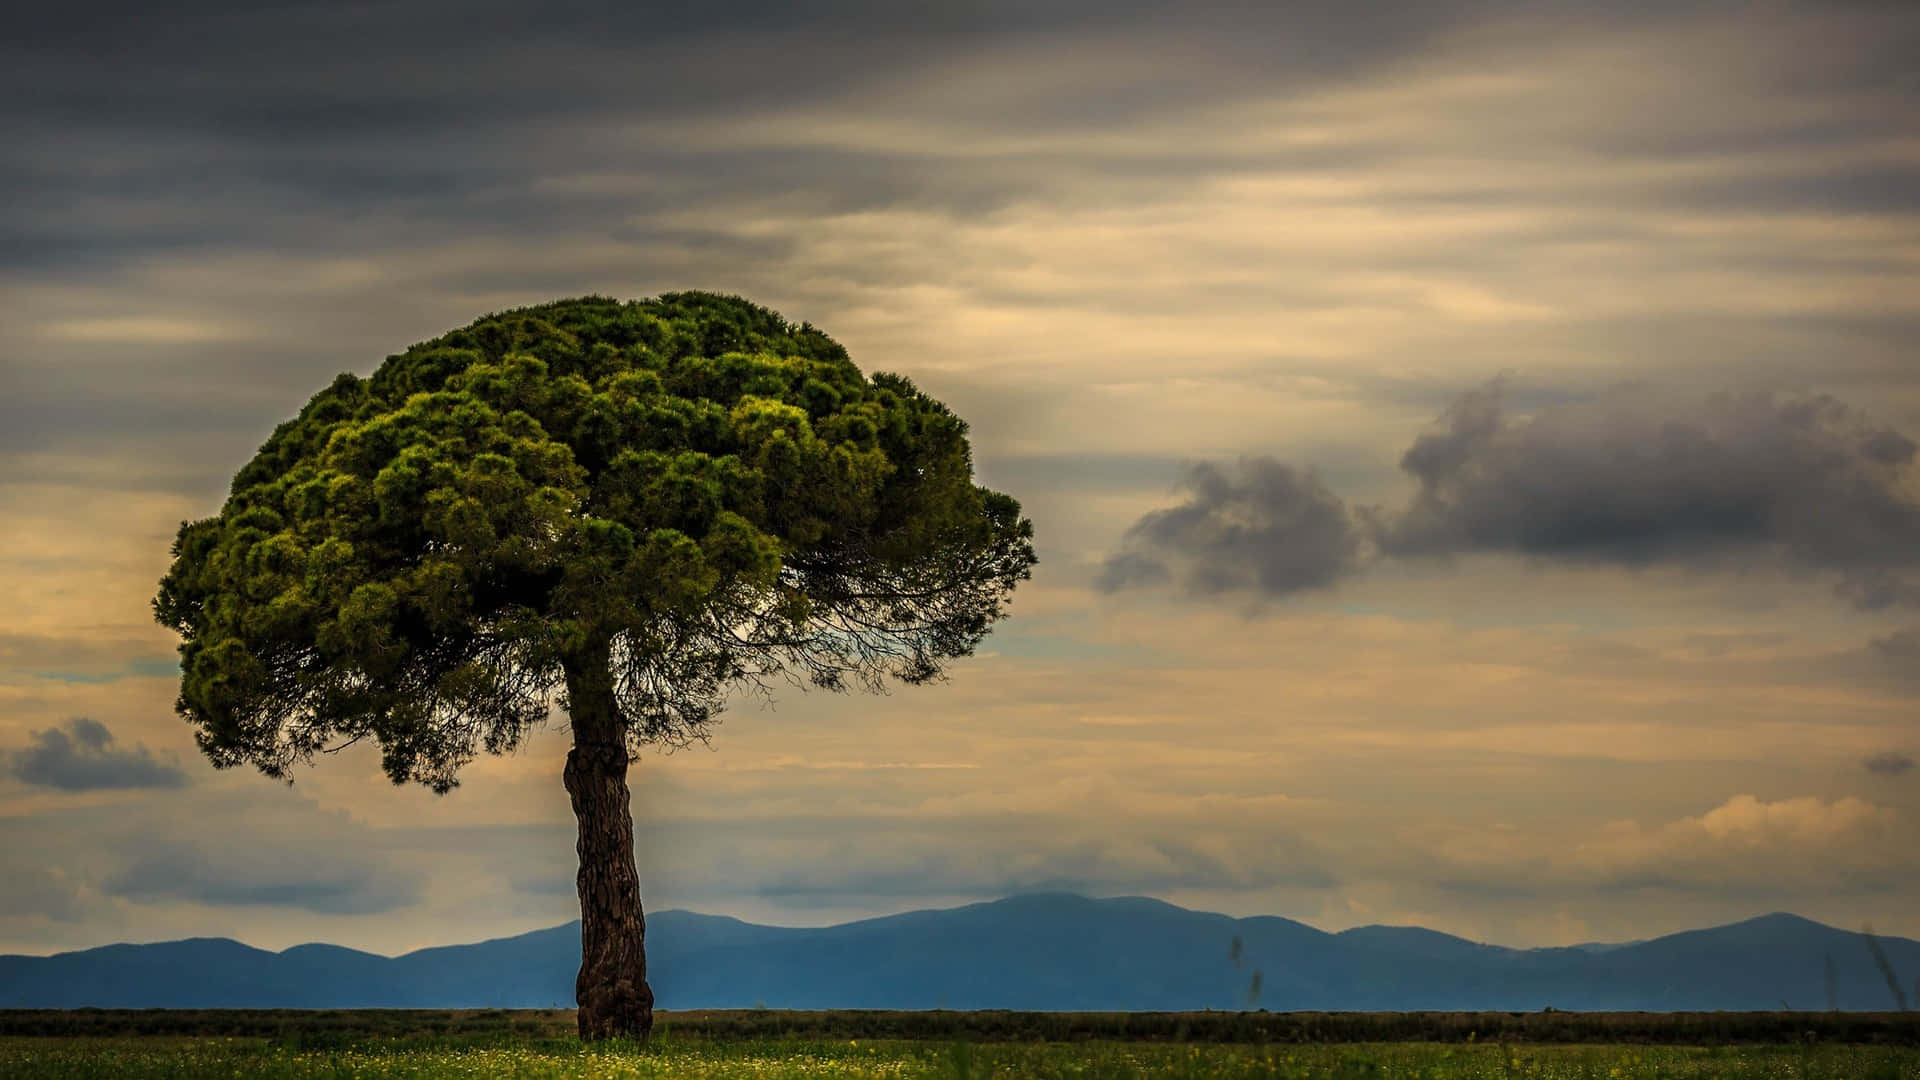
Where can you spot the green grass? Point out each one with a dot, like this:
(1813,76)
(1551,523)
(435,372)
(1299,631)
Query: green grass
(27,1058)
(337,1027)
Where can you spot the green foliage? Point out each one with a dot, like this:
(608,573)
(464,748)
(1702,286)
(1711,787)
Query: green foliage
(689,492)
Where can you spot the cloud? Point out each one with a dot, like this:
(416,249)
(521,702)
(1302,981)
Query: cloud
(920,838)
(914,862)
(1889,763)
(82,757)
(1260,527)
(934,862)
(1890,662)
(240,843)
(79,657)
(1802,846)
(138,331)
(1115,241)
(314,878)
(1313,192)
(1752,845)
(44,892)
(1746,821)
(1641,474)
(1636,476)
(1899,650)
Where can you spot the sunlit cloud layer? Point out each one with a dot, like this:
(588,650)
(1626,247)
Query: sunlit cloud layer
(1326,624)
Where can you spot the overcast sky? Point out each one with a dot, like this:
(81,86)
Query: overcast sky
(1472,449)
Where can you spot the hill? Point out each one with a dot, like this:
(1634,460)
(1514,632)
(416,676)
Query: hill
(1035,952)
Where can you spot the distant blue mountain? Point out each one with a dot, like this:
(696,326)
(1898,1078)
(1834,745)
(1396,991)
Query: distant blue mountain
(1045,952)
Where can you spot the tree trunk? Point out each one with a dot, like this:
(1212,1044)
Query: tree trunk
(612,990)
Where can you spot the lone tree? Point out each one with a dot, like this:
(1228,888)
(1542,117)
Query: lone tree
(633,508)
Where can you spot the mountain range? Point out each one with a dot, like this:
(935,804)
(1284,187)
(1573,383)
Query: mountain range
(1031,952)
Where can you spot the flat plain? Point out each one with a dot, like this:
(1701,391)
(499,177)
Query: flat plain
(725,1045)
(30,1058)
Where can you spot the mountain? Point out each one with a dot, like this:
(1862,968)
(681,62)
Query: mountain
(1042,952)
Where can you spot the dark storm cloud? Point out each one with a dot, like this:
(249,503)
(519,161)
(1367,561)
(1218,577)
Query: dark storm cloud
(81,757)
(185,134)
(1639,476)
(1260,527)
(1889,763)
(142,131)
(1635,477)
(417,64)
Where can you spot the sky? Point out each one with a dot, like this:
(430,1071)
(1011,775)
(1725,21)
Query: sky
(1471,448)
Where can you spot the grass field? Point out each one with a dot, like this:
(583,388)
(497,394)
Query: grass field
(31,1057)
(763,1043)
(315,1027)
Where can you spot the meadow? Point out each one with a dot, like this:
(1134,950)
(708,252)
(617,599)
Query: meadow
(27,1058)
(724,1045)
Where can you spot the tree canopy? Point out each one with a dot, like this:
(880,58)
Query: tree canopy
(690,490)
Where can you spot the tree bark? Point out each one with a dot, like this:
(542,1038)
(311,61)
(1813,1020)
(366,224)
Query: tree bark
(612,992)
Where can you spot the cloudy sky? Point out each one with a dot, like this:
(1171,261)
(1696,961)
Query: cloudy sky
(1472,450)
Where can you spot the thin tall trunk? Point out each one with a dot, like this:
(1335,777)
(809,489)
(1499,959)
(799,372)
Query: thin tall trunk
(612,990)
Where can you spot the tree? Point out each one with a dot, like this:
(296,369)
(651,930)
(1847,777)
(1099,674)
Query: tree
(630,509)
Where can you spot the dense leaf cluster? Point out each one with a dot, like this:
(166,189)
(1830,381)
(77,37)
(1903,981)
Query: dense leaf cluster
(681,493)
